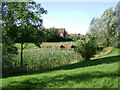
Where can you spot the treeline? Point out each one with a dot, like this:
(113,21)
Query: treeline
(52,35)
(106,29)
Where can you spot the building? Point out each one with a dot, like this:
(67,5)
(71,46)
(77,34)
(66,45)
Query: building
(62,32)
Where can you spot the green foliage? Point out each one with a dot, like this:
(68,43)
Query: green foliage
(52,35)
(9,58)
(67,37)
(87,47)
(76,38)
(9,52)
(21,22)
(105,29)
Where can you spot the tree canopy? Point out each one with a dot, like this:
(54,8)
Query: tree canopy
(105,29)
(21,23)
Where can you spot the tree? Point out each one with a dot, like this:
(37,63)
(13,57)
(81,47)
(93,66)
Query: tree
(87,47)
(110,18)
(105,29)
(22,22)
(76,38)
(52,35)
(9,52)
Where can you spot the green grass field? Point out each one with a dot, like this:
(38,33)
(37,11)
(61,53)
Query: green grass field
(31,45)
(101,72)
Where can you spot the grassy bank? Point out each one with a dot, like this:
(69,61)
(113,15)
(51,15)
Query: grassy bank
(101,72)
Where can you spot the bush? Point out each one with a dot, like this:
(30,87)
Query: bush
(87,48)
(9,59)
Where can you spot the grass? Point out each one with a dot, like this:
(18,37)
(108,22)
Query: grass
(37,59)
(31,45)
(101,72)
(103,52)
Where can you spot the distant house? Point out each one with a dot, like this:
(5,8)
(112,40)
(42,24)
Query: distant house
(73,35)
(62,32)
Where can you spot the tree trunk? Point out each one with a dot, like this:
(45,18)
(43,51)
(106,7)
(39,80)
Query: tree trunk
(87,58)
(21,56)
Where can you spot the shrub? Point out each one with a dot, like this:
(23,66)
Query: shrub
(87,48)
(9,59)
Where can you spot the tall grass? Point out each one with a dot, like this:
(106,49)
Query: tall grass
(42,58)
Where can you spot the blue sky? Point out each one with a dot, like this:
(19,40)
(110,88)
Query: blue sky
(73,16)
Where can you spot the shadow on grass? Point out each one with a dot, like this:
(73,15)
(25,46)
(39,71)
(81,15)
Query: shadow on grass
(61,80)
(94,62)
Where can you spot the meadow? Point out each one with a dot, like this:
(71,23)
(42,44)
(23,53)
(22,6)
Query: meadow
(100,72)
(47,56)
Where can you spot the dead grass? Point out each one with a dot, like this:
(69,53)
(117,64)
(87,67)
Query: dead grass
(105,51)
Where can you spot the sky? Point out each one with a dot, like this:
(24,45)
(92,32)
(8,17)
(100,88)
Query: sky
(75,17)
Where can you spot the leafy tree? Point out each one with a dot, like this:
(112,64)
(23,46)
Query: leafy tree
(110,19)
(105,29)
(21,22)
(87,47)
(52,34)
(67,36)
(77,38)
(9,52)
